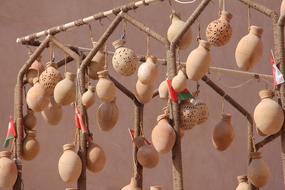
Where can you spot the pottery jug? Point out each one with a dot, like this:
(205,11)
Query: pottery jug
(34,71)
(243,183)
(147,156)
(223,133)
(96,158)
(198,61)
(65,90)
(188,115)
(258,171)
(69,164)
(8,171)
(163,90)
(107,115)
(179,82)
(219,31)
(282,8)
(268,115)
(202,111)
(31,146)
(97,63)
(144,92)
(131,186)
(249,49)
(125,61)
(105,88)
(176,27)
(30,120)
(52,114)
(148,71)
(88,98)
(155,188)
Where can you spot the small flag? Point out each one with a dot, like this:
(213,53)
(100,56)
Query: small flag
(172,92)
(11,133)
(277,75)
(185,95)
(79,121)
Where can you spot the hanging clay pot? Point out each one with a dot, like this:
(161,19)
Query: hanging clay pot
(179,82)
(49,78)
(96,158)
(243,183)
(198,61)
(31,146)
(36,97)
(258,171)
(132,185)
(65,90)
(268,115)
(282,8)
(147,156)
(155,188)
(219,32)
(163,136)
(8,170)
(163,90)
(88,98)
(107,115)
(52,114)
(144,92)
(223,133)
(30,120)
(125,61)
(176,27)
(69,164)
(105,88)
(34,71)
(249,49)
(202,111)
(188,115)
(97,63)
(148,71)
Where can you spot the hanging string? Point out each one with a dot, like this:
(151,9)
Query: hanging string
(248,17)
(106,58)
(178,63)
(199,30)
(224,5)
(223,104)
(147,45)
(220,7)
(124,35)
(170,6)
(185,2)
(65,62)
(90,33)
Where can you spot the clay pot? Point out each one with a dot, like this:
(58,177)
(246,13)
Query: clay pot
(88,98)
(163,136)
(219,32)
(243,183)
(69,164)
(30,120)
(163,90)
(34,71)
(249,49)
(125,61)
(223,133)
(144,92)
(65,90)
(105,88)
(8,171)
(202,111)
(155,188)
(148,71)
(96,158)
(282,8)
(268,115)
(52,114)
(198,61)
(176,27)
(97,63)
(188,115)
(36,97)
(107,115)
(147,156)
(31,146)
(179,82)
(131,186)
(258,171)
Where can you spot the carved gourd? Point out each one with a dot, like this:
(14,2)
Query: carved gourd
(34,71)
(8,170)
(65,90)
(97,63)
(144,92)
(105,88)
(31,146)
(52,114)
(202,111)
(30,120)
(148,71)
(88,98)
(243,183)
(107,115)
(188,115)
(179,82)
(96,158)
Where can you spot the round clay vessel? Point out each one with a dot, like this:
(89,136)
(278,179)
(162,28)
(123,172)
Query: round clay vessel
(148,71)
(34,71)
(223,133)
(30,120)
(65,90)
(107,115)
(8,170)
(52,114)
(97,63)
(268,115)
(96,158)
(258,171)
(131,186)
(202,111)
(144,92)
(198,61)
(243,183)
(163,90)
(188,115)
(88,98)
(155,188)
(69,165)
(105,88)
(179,82)
(147,156)
(249,49)
(125,61)
(31,146)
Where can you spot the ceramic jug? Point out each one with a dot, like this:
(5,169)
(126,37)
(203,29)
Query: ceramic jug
(31,146)
(105,88)
(97,63)
(147,156)
(96,158)
(179,82)
(243,183)
(65,90)
(107,115)
(144,92)
(88,98)
(34,71)
(163,90)
(30,120)
(8,171)
(148,71)
(52,114)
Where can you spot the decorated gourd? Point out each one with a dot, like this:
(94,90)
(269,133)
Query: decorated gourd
(147,156)
(65,90)
(31,146)
(8,170)
(34,71)
(96,158)
(163,90)
(144,92)
(249,49)
(198,61)
(105,88)
(132,185)
(155,188)
(52,114)
(88,98)
(219,31)
(243,183)
(268,115)
(179,82)
(223,133)
(125,61)
(188,114)
(69,165)
(107,115)
(30,120)
(202,111)
(97,63)
(148,71)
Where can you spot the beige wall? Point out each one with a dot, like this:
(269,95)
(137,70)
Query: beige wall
(204,167)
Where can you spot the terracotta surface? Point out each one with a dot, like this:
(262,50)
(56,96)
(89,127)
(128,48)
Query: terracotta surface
(204,167)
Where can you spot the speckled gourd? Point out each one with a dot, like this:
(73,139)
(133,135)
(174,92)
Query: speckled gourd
(69,164)
(31,146)
(179,82)
(97,63)
(202,111)
(188,115)
(132,185)
(198,61)
(144,92)
(155,187)
(258,171)
(125,61)
(88,98)
(105,88)
(148,71)
(34,71)
(52,114)
(107,115)
(268,115)
(163,90)
(8,170)
(243,183)
(65,90)
(249,49)
(30,120)
(96,158)
(223,133)
(147,156)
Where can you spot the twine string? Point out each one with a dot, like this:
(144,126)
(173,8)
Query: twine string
(91,34)
(147,45)
(199,30)
(248,17)
(106,58)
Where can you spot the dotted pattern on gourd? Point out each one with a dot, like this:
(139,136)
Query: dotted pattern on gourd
(219,32)
(49,78)
(203,112)
(125,61)
(188,115)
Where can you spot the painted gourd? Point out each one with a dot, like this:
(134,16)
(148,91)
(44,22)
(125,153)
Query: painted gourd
(258,171)
(107,115)
(52,114)
(132,185)
(31,146)
(97,63)
(96,158)
(249,49)
(188,115)
(198,61)
(8,170)
(147,156)
(105,88)
(223,133)
(69,164)
(30,120)
(88,98)
(243,183)
(125,61)
(268,115)
(163,90)
(179,82)
(155,188)
(202,111)
(219,32)
(144,92)
(34,71)
(176,27)
(65,90)
(148,71)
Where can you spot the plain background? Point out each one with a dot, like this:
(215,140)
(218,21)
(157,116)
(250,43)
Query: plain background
(204,167)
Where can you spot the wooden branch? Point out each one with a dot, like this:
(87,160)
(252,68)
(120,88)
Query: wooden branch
(261,8)
(155,93)
(267,140)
